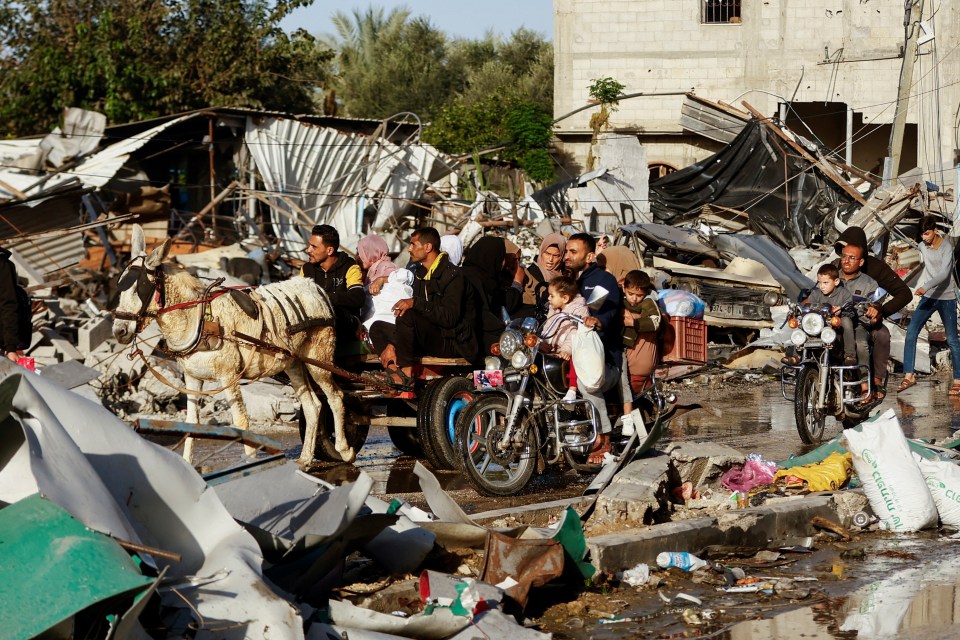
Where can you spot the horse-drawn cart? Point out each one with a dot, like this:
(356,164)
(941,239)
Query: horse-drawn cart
(420,423)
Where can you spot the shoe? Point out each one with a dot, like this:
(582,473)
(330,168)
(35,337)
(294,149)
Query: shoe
(393,378)
(627,429)
(790,361)
(849,359)
(571,396)
(905,384)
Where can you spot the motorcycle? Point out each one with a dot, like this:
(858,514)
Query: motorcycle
(823,385)
(518,422)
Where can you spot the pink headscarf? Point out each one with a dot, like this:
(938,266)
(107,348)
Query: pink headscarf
(374,258)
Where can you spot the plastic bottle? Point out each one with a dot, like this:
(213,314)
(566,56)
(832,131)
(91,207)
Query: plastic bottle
(681,560)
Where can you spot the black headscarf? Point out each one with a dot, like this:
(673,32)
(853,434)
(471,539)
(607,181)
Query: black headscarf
(483,265)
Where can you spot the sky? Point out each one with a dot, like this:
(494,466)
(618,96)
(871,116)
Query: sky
(456,18)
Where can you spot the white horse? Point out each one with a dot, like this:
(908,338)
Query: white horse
(295,315)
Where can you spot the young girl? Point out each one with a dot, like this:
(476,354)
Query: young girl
(641,325)
(564,297)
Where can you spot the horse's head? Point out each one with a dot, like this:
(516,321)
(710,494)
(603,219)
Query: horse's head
(138,287)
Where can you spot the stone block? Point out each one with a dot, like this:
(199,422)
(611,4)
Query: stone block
(268,402)
(93,333)
(702,463)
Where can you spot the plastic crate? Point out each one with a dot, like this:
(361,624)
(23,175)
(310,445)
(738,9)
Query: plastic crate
(685,341)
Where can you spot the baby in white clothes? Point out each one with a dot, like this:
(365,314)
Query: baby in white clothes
(398,287)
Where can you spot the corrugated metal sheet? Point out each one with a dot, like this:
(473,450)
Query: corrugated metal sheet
(710,119)
(95,171)
(50,252)
(331,177)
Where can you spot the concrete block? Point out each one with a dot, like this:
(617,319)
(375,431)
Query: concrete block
(269,402)
(617,551)
(757,526)
(94,332)
(702,463)
(62,345)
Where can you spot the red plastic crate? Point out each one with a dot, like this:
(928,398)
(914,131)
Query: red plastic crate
(685,341)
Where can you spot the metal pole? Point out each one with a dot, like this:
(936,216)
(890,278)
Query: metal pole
(911,23)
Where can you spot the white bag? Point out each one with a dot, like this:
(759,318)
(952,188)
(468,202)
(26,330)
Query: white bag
(943,479)
(891,479)
(588,358)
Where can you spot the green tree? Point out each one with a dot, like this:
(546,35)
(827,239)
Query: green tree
(136,59)
(389,63)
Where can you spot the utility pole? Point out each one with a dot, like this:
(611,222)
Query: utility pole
(911,23)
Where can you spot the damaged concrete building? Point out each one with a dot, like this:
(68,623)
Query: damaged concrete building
(831,65)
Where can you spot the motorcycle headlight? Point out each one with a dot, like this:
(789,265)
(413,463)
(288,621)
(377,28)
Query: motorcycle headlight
(519,359)
(510,341)
(828,335)
(491,363)
(812,323)
(798,337)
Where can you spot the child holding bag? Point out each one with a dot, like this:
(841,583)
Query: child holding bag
(564,296)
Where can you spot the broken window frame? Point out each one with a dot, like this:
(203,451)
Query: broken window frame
(720,12)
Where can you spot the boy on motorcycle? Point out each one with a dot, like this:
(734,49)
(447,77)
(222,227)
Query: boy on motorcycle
(830,291)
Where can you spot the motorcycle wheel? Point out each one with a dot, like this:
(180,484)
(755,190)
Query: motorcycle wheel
(810,421)
(491,472)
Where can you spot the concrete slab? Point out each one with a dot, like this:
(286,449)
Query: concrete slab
(637,492)
(754,526)
(533,514)
(702,463)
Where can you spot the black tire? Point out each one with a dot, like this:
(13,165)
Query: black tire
(405,439)
(498,475)
(450,398)
(424,400)
(325,450)
(810,421)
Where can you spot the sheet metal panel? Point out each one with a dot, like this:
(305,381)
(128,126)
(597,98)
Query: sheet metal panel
(321,175)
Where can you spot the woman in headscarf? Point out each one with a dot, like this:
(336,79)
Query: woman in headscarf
(483,267)
(548,265)
(619,261)
(452,246)
(377,266)
(375,261)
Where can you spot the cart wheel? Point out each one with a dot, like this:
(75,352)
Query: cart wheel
(405,439)
(452,395)
(424,401)
(325,450)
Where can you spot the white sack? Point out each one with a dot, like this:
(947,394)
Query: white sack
(943,480)
(892,481)
(588,358)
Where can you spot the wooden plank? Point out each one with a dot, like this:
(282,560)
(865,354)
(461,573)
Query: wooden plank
(803,152)
(211,431)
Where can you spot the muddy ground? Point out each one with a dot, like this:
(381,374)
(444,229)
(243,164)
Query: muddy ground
(908,581)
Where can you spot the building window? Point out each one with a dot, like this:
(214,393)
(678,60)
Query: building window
(721,11)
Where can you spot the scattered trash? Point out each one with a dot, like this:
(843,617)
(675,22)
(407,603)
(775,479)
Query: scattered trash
(681,560)
(638,576)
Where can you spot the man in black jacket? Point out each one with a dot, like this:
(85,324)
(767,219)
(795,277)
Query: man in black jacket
(339,275)
(897,290)
(437,321)
(14,328)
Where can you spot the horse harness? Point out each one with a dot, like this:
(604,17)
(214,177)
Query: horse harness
(209,336)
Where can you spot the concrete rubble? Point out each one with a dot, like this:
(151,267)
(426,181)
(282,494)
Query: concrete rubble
(264,553)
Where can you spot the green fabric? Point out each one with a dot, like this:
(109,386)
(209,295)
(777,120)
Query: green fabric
(53,567)
(570,536)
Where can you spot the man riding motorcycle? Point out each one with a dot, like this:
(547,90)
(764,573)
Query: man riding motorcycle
(898,293)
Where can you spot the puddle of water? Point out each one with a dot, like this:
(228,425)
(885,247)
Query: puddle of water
(898,598)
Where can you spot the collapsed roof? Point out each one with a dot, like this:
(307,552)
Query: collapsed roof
(786,192)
